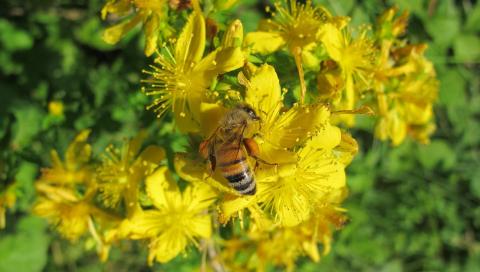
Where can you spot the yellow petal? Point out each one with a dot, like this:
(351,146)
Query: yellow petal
(264,42)
(311,249)
(185,117)
(327,137)
(332,39)
(117,7)
(218,62)
(318,165)
(166,247)
(330,83)
(199,196)
(211,113)
(263,92)
(232,205)
(291,211)
(79,151)
(152,32)
(201,226)
(152,154)
(229,59)
(418,114)
(272,153)
(422,133)
(233,37)
(292,127)
(397,130)
(381,131)
(260,218)
(114,33)
(347,149)
(157,184)
(191,42)
(310,60)
(142,224)
(194,171)
(135,144)
(55,158)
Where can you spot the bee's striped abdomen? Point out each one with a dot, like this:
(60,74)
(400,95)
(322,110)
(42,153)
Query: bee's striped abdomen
(243,182)
(234,167)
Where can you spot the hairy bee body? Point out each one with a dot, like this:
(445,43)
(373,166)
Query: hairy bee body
(228,150)
(231,159)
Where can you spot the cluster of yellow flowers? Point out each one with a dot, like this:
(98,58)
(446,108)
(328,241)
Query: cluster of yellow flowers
(132,194)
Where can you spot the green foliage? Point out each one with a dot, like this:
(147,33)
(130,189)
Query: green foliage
(26,249)
(415,207)
(411,208)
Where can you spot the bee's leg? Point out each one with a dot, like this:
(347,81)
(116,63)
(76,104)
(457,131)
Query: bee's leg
(252,149)
(206,150)
(203,149)
(251,146)
(213,163)
(240,138)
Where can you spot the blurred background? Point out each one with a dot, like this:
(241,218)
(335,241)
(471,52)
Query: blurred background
(411,208)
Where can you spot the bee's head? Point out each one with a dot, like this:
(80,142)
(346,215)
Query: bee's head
(251,112)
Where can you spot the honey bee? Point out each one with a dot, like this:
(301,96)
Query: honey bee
(228,149)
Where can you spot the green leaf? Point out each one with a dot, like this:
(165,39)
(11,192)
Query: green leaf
(339,7)
(361,182)
(90,33)
(250,20)
(26,250)
(435,153)
(415,7)
(25,178)
(445,24)
(359,16)
(28,124)
(14,39)
(473,19)
(475,183)
(467,48)
(452,89)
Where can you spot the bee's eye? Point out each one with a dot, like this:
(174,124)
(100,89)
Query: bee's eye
(252,113)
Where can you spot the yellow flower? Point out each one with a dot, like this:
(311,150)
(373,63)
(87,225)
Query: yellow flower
(180,80)
(64,210)
(280,129)
(66,196)
(390,27)
(299,140)
(355,58)
(292,191)
(75,169)
(293,25)
(66,193)
(152,13)
(296,26)
(178,218)
(55,108)
(7,200)
(282,247)
(121,172)
(405,84)
(292,188)
(70,212)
